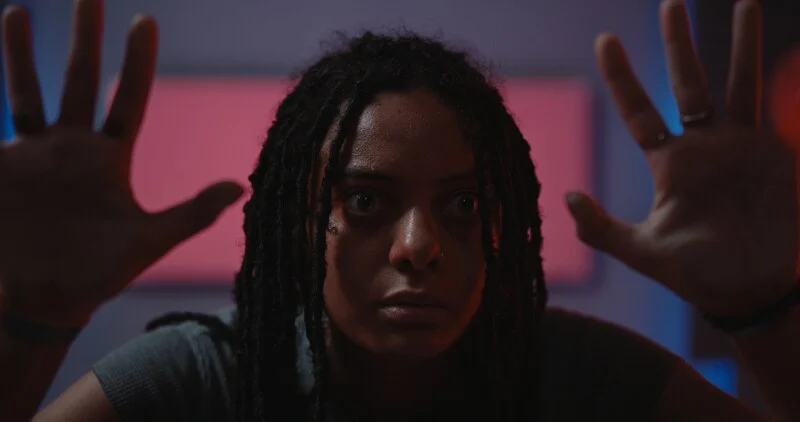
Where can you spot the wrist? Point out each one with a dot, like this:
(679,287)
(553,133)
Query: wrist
(34,333)
(44,311)
(764,318)
(20,322)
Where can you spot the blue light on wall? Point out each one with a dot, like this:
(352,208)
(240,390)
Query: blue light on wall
(723,373)
(6,127)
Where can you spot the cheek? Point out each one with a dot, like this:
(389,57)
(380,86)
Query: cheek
(353,264)
(468,249)
(474,266)
(464,266)
(473,273)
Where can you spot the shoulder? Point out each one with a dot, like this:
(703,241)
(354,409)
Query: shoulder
(569,328)
(179,371)
(601,368)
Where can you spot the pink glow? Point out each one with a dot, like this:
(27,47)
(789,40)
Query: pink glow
(198,131)
(555,117)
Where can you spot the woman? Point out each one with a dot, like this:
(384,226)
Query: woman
(392,266)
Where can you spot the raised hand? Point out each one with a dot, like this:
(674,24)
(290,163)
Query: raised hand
(723,230)
(71,233)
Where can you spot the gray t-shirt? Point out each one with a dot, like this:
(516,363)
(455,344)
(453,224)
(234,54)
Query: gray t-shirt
(593,371)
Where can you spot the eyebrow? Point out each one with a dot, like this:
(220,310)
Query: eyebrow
(356,173)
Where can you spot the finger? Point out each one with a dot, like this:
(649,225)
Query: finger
(642,118)
(24,94)
(686,74)
(604,233)
(130,101)
(744,79)
(79,98)
(183,221)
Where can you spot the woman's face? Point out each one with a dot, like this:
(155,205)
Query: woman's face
(405,262)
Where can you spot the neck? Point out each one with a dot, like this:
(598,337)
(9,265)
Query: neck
(392,385)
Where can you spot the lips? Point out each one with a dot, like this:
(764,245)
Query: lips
(413,310)
(412,299)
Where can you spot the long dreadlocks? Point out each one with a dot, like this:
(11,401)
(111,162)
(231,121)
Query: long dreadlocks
(276,281)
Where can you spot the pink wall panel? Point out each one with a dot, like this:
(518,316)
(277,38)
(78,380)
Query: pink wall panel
(555,116)
(198,131)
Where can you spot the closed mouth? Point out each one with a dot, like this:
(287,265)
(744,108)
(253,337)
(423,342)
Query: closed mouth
(409,299)
(401,304)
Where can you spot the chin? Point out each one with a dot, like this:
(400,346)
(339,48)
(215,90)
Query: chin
(414,345)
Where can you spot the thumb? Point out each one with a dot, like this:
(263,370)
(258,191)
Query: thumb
(597,229)
(182,221)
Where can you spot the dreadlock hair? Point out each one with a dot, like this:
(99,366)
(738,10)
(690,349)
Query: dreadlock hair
(276,278)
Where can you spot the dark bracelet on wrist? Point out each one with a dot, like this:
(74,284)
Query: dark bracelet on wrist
(765,318)
(35,333)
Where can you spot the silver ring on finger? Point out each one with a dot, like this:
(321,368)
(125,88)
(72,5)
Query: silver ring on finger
(697,119)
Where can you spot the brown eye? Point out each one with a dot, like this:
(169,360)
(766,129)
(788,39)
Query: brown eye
(362,203)
(464,205)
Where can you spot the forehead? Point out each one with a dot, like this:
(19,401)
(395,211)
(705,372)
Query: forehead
(410,135)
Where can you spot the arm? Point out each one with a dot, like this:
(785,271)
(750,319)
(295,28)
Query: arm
(83,401)
(774,358)
(175,373)
(722,232)
(687,396)
(616,374)
(771,356)
(102,243)
(26,372)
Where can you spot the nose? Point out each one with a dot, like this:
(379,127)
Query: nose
(416,244)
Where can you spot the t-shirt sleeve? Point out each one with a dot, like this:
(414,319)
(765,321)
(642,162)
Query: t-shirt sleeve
(595,370)
(174,373)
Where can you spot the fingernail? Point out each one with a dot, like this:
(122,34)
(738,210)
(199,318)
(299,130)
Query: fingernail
(570,200)
(573,200)
(233,193)
(141,19)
